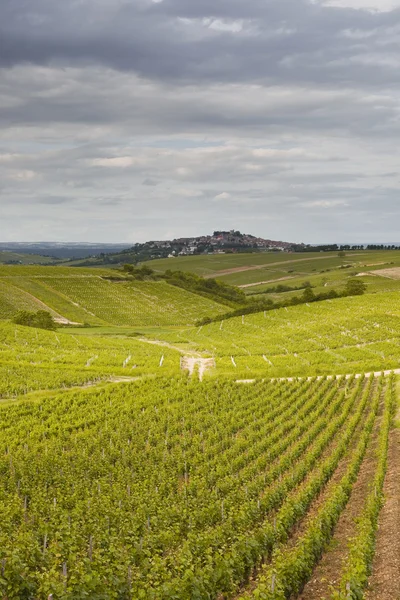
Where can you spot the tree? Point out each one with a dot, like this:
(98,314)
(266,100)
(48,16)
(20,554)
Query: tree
(354,287)
(308,295)
(41,319)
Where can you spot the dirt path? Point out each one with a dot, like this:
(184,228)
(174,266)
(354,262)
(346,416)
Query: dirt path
(189,362)
(319,377)
(217,274)
(248,285)
(384,583)
(328,572)
(170,346)
(56,316)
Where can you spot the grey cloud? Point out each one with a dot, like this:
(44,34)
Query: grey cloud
(150,182)
(173,40)
(126,120)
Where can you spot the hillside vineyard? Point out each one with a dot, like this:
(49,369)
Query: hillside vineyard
(144,456)
(180,489)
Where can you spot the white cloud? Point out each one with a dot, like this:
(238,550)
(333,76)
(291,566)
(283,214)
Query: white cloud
(373,5)
(222,196)
(324,203)
(219,25)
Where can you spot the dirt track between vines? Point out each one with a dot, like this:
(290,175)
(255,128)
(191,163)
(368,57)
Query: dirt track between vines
(327,574)
(384,583)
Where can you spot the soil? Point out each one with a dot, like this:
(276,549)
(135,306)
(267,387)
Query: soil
(384,583)
(328,572)
(190,363)
(389,273)
(247,285)
(167,345)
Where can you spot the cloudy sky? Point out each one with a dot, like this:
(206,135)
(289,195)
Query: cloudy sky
(129,120)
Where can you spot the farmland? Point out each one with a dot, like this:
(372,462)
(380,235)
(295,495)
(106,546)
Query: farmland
(32,360)
(346,335)
(320,269)
(145,457)
(87,296)
(10,257)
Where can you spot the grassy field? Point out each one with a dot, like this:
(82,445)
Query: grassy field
(25,259)
(269,267)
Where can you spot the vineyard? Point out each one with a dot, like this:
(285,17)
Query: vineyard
(269,469)
(347,335)
(91,298)
(32,359)
(188,489)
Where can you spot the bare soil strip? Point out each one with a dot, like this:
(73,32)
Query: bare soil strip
(168,345)
(388,273)
(264,266)
(384,583)
(327,573)
(248,285)
(190,363)
(57,317)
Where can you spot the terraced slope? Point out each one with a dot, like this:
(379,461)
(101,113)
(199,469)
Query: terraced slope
(184,489)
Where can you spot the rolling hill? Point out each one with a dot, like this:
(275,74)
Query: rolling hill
(90,296)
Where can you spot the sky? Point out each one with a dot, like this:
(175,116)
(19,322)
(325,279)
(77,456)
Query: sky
(134,120)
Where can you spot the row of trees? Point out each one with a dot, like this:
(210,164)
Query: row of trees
(41,319)
(354,287)
(211,288)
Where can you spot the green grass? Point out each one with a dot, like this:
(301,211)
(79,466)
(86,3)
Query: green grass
(212,264)
(276,265)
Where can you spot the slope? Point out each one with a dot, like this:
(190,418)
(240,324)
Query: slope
(347,335)
(89,297)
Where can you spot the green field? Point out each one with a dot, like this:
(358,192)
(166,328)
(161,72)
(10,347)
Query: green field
(289,268)
(7,257)
(87,296)
(145,458)
(346,335)
(32,359)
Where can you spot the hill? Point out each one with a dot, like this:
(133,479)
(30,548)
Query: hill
(10,257)
(32,359)
(218,242)
(342,336)
(88,296)
(250,458)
